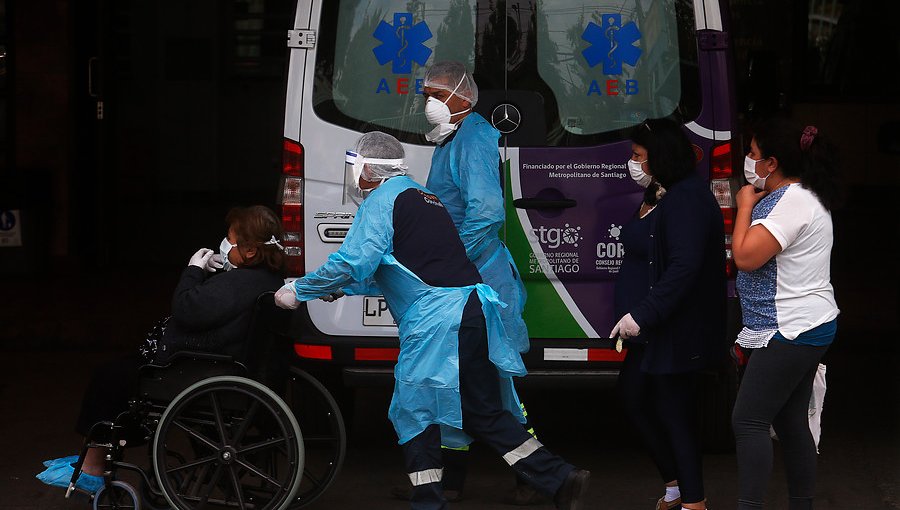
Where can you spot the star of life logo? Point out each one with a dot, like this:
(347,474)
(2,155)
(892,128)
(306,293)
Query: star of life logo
(402,43)
(612,45)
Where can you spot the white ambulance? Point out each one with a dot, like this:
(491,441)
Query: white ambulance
(564,81)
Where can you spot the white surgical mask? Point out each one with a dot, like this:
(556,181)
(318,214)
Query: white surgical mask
(637,173)
(224,247)
(438,114)
(750,173)
(440,133)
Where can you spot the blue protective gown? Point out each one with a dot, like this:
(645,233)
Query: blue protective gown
(465,175)
(426,387)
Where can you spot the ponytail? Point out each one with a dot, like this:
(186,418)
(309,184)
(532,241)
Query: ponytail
(819,172)
(805,155)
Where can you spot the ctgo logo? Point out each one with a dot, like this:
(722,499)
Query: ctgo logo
(555,237)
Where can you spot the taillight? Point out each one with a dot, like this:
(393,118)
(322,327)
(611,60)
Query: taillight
(720,162)
(721,189)
(290,198)
(730,267)
(292,219)
(292,159)
(721,174)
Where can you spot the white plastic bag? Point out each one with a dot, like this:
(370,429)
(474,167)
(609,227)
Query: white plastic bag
(816,403)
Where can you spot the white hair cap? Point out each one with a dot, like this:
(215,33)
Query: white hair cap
(382,154)
(450,75)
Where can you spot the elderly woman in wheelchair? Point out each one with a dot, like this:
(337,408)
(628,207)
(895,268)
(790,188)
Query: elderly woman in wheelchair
(200,394)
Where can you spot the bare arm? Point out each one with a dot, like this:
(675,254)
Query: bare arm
(753,246)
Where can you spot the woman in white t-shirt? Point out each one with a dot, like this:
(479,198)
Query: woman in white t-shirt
(782,246)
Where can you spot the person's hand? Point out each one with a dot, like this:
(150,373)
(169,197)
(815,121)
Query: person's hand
(201,258)
(334,296)
(625,328)
(748,196)
(215,263)
(285,297)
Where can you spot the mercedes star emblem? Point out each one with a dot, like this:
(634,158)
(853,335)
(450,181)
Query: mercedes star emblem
(506,118)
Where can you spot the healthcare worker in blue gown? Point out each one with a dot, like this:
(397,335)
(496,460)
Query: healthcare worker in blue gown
(456,363)
(465,175)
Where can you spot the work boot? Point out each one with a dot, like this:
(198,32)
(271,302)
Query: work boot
(525,495)
(573,491)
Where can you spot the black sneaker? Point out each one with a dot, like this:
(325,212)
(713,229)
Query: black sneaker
(525,495)
(404,492)
(573,491)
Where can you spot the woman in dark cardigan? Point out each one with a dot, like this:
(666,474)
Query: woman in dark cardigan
(211,312)
(670,295)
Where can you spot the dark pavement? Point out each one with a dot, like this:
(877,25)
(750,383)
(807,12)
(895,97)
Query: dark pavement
(54,332)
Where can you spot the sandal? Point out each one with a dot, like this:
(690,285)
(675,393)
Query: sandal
(662,504)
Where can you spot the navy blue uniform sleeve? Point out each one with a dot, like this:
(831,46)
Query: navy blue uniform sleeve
(685,230)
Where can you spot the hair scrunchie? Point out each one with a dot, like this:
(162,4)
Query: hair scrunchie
(806,139)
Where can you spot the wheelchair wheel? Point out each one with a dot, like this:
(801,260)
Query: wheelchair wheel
(119,496)
(228,442)
(324,436)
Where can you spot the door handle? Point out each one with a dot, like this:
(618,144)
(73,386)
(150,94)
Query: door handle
(93,88)
(541,203)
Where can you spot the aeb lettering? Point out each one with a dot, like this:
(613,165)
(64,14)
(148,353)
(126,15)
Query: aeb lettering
(613,88)
(401,87)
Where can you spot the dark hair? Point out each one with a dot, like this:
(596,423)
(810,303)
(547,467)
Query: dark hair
(254,226)
(669,153)
(815,163)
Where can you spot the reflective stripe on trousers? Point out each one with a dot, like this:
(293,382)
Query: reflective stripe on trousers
(425,477)
(523,450)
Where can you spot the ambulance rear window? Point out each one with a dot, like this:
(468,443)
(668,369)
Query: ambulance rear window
(610,69)
(582,74)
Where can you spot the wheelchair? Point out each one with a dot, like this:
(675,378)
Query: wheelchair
(255,433)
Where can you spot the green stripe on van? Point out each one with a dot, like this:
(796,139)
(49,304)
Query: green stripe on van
(546,315)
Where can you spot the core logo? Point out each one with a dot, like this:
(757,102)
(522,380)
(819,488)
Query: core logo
(611,253)
(615,231)
(402,44)
(555,237)
(612,44)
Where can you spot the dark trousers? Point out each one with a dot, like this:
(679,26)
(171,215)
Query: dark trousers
(112,386)
(456,465)
(775,391)
(663,409)
(485,420)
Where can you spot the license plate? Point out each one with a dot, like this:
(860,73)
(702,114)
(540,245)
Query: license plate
(376,313)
